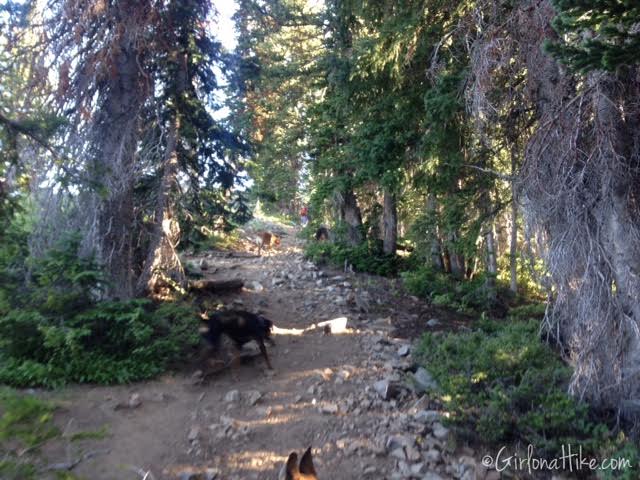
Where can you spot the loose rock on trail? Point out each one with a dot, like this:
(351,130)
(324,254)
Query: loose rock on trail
(351,394)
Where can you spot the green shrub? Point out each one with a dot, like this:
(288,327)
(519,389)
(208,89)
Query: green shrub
(441,289)
(112,342)
(54,330)
(528,311)
(366,257)
(63,281)
(500,384)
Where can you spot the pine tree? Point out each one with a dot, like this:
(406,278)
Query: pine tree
(597,34)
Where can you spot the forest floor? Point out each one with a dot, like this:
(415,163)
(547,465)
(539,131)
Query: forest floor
(326,390)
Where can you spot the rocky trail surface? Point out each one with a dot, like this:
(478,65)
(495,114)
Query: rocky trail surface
(354,395)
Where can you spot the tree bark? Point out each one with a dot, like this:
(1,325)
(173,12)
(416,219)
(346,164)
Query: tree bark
(390,216)
(113,169)
(437,261)
(513,243)
(351,216)
(456,259)
(492,264)
(162,266)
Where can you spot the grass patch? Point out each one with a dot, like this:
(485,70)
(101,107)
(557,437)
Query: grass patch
(12,470)
(25,419)
(99,434)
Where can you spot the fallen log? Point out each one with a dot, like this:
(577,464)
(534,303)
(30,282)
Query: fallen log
(216,286)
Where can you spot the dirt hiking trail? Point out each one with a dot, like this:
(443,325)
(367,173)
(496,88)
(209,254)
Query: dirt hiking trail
(346,394)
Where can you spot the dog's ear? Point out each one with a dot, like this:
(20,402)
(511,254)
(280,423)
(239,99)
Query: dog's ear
(306,464)
(292,471)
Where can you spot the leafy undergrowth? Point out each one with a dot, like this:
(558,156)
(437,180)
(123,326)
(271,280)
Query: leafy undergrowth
(502,385)
(468,297)
(112,342)
(53,330)
(366,257)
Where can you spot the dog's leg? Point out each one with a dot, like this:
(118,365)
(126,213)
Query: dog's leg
(236,361)
(263,349)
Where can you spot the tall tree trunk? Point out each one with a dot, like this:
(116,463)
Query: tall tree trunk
(513,243)
(116,131)
(350,214)
(492,263)
(621,240)
(582,191)
(446,259)
(390,215)
(162,267)
(456,258)
(437,261)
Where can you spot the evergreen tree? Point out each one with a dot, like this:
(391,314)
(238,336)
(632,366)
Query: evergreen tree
(597,34)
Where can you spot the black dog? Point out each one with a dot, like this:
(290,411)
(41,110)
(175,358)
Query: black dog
(241,327)
(322,234)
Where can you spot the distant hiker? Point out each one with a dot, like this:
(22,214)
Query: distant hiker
(304,216)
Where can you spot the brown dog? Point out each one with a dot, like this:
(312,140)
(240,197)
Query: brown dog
(268,240)
(305,471)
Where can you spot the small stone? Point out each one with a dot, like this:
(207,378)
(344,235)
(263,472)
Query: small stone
(432,476)
(340,301)
(255,286)
(424,381)
(433,322)
(440,432)
(232,396)
(412,454)
(252,397)
(403,351)
(386,389)
(134,401)
(421,404)
(264,412)
(399,441)
(193,433)
(432,456)
(467,460)
(427,416)
(398,453)
(329,408)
